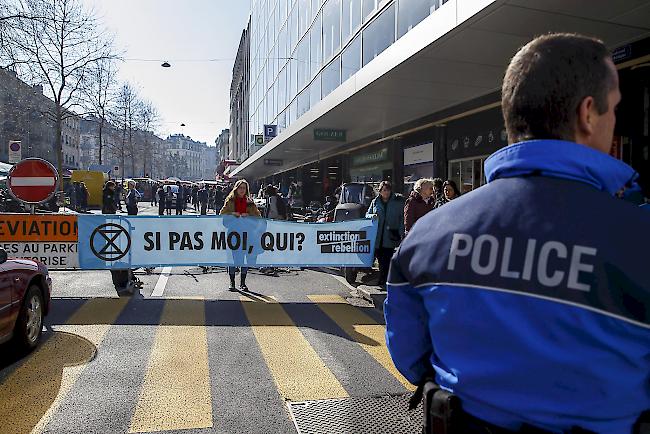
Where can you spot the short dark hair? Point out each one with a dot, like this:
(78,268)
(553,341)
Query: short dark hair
(437,183)
(547,80)
(386,184)
(453,186)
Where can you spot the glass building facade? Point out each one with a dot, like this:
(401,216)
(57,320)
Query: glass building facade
(302,50)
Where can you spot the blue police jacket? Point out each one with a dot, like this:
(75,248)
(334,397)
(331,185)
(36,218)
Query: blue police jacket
(530,296)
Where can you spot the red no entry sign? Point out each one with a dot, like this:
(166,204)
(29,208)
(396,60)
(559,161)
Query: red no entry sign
(32,180)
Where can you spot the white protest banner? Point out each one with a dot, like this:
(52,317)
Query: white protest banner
(111,241)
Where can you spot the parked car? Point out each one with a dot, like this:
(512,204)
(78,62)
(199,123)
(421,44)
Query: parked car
(25,289)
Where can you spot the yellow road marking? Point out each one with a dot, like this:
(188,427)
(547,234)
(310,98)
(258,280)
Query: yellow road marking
(298,371)
(363,329)
(176,391)
(257,299)
(36,389)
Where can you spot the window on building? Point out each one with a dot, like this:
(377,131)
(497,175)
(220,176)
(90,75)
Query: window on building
(302,62)
(351,59)
(316,55)
(282,46)
(331,77)
(303,102)
(350,18)
(379,35)
(331,28)
(370,6)
(314,92)
(291,80)
(315,7)
(304,12)
(411,12)
(273,63)
(282,8)
(282,89)
(293,110)
(293,29)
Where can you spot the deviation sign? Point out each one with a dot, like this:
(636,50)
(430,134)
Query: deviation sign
(33,180)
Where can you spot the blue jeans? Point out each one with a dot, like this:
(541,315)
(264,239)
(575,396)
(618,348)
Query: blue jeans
(233,270)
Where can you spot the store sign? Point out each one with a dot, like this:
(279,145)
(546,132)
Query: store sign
(329,134)
(622,53)
(51,239)
(419,154)
(371,157)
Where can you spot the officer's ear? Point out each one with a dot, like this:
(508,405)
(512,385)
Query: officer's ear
(586,118)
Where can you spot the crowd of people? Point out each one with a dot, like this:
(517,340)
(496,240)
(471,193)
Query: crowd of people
(397,215)
(77,194)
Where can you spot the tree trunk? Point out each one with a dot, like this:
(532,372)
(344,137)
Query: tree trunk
(101,130)
(59,146)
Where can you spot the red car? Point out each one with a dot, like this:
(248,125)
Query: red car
(25,288)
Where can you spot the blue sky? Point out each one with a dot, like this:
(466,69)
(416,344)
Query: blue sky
(192,92)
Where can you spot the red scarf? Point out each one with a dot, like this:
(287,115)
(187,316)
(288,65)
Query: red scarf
(241,205)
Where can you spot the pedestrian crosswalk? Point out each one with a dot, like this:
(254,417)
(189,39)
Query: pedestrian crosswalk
(188,353)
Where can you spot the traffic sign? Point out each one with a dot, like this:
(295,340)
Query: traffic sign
(270,131)
(259,139)
(15,151)
(33,180)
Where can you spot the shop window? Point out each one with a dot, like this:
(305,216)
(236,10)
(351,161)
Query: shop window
(331,28)
(351,59)
(411,12)
(351,18)
(331,77)
(468,174)
(379,35)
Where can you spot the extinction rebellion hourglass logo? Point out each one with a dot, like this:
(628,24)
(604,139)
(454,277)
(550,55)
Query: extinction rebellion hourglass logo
(110,242)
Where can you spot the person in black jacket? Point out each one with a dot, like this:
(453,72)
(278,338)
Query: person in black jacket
(180,199)
(202,198)
(162,197)
(109,205)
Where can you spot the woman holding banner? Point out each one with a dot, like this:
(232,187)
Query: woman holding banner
(239,204)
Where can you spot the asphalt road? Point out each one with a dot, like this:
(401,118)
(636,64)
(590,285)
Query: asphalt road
(187,355)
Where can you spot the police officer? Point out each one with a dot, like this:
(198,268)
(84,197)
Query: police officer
(529,308)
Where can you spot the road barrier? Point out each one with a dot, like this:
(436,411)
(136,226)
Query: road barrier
(50,238)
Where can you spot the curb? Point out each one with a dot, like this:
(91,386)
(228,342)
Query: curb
(373,294)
